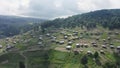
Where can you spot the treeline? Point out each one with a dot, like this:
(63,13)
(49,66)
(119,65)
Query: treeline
(106,18)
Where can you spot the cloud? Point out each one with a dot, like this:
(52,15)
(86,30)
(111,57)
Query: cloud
(54,8)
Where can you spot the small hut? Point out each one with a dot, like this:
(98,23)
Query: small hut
(104,40)
(70,43)
(48,34)
(69,35)
(75,33)
(116,33)
(1,46)
(61,42)
(112,47)
(68,47)
(14,42)
(7,39)
(53,40)
(81,45)
(77,45)
(62,33)
(56,41)
(86,45)
(109,38)
(97,38)
(104,46)
(65,37)
(89,52)
(102,52)
(118,47)
(95,45)
(81,37)
(40,38)
(76,37)
(39,43)
(53,37)
(8,47)
(81,50)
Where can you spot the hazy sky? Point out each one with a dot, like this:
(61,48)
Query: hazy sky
(54,8)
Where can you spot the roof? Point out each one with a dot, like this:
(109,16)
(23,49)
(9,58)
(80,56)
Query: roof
(103,45)
(39,43)
(77,44)
(0,46)
(61,41)
(118,46)
(68,46)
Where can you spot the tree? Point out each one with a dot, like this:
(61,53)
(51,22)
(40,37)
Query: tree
(84,60)
(96,55)
(21,64)
(109,65)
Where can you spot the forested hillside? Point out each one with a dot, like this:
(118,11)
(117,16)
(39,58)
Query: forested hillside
(106,18)
(13,25)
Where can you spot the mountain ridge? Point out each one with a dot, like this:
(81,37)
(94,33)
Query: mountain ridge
(108,18)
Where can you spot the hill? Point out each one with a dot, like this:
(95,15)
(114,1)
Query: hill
(49,50)
(105,18)
(74,42)
(12,25)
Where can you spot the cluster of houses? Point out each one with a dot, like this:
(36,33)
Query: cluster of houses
(68,40)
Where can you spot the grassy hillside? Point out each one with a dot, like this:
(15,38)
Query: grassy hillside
(80,41)
(55,55)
